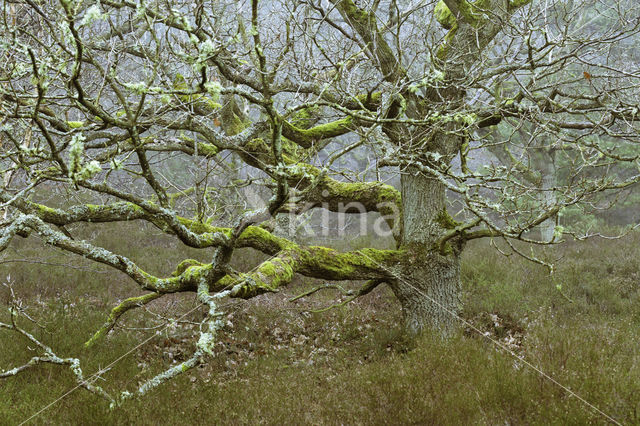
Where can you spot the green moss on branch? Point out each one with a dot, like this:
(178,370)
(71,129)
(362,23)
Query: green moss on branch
(446,221)
(255,237)
(471,12)
(75,124)
(514,4)
(314,261)
(351,197)
(269,276)
(307,137)
(444,16)
(184,265)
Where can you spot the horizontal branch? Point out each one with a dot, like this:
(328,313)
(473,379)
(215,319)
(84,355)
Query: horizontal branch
(317,189)
(306,138)
(314,261)
(367,288)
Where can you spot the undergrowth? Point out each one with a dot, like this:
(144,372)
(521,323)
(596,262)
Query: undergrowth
(278,363)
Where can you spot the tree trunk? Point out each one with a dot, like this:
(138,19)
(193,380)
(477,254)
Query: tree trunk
(429,284)
(549,181)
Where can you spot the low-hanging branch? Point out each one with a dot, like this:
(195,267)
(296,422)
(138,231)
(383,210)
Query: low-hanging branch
(48,356)
(290,258)
(367,288)
(122,308)
(314,261)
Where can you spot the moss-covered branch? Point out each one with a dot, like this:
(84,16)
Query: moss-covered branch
(366,25)
(314,261)
(317,189)
(254,237)
(308,137)
(472,26)
(321,190)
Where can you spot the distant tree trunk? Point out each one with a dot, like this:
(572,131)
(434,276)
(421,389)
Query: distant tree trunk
(548,227)
(429,284)
(548,197)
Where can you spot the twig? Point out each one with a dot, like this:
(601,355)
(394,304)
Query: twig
(118,311)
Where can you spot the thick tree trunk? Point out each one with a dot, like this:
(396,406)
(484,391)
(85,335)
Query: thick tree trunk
(429,291)
(429,284)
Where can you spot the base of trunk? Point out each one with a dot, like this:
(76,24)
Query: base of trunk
(429,291)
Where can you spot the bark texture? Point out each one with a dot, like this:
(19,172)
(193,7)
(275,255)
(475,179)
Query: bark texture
(429,291)
(428,286)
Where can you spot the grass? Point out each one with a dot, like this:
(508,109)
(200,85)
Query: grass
(277,363)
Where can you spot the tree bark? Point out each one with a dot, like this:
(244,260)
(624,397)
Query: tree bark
(548,195)
(428,286)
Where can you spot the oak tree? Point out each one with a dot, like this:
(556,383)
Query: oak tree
(497,116)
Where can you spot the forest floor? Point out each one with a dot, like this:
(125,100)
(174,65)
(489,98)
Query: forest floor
(278,363)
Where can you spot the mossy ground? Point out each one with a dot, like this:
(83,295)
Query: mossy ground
(276,363)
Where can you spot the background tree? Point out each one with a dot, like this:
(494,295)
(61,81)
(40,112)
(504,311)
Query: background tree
(158,112)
